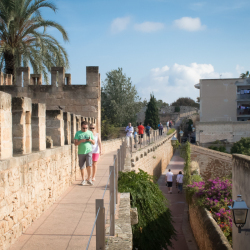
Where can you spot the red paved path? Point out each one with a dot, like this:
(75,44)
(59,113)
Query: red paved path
(178,207)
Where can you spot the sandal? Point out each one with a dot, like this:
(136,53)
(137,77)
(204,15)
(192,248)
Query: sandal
(93,179)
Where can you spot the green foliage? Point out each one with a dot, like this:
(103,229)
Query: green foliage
(152,113)
(120,100)
(177,109)
(241,147)
(220,149)
(155,229)
(170,131)
(185,101)
(160,104)
(186,153)
(24,37)
(109,131)
(244,75)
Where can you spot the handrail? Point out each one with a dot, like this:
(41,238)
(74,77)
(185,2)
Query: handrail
(106,185)
(93,229)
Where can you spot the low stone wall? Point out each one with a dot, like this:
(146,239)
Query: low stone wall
(210,163)
(111,145)
(29,184)
(123,238)
(207,233)
(154,158)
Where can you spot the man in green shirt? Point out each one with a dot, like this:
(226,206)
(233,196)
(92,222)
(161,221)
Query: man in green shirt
(83,139)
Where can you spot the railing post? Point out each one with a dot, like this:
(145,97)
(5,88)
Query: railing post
(112,200)
(136,142)
(116,177)
(120,159)
(131,144)
(100,224)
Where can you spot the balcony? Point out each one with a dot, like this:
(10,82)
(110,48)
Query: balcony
(245,97)
(243,112)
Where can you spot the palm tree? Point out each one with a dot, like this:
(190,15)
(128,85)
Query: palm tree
(244,75)
(24,40)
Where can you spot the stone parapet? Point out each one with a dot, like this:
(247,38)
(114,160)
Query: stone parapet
(207,233)
(5,126)
(111,145)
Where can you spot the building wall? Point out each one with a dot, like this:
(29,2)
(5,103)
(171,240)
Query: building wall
(211,163)
(230,131)
(241,177)
(218,100)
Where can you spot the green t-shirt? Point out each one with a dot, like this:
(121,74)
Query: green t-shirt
(84,147)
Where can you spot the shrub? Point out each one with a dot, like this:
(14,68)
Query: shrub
(154,229)
(215,195)
(241,147)
(170,131)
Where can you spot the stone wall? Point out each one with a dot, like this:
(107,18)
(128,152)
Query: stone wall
(241,177)
(29,184)
(207,132)
(206,231)
(210,163)
(154,158)
(111,145)
(84,100)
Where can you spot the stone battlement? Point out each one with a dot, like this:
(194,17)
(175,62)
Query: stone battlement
(84,100)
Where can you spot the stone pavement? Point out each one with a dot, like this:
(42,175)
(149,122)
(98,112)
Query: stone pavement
(67,224)
(178,207)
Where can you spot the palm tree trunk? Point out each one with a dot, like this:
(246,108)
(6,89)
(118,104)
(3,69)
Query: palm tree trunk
(9,63)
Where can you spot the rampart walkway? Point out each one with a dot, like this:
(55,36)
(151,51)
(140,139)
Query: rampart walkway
(67,224)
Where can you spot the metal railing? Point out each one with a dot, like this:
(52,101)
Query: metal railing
(128,146)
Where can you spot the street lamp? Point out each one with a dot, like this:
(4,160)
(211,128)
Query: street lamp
(181,134)
(239,210)
(174,140)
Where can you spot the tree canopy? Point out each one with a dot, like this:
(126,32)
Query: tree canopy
(24,39)
(185,101)
(120,100)
(241,147)
(152,113)
(244,75)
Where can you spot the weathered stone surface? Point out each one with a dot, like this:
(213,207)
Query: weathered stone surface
(134,216)
(49,142)
(206,231)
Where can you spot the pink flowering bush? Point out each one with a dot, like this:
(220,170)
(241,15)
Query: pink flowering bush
(215,195)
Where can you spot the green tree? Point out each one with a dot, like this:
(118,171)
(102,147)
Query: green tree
(185,101)
(120,100)
(244,75)
(241,147)
(152,113)
(155,228)
(24,40)
(160,104)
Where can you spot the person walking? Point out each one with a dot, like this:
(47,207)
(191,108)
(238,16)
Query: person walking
(148,130)
(141,132)
(96,150)
(169,179)
(84,139)
(179,180)
(160,129)
(167,125)
(129,133)
(170,124)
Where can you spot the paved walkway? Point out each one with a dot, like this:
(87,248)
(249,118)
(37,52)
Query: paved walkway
(67,224)
(178,207)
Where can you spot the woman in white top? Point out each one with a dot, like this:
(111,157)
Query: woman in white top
(96,150)
(179,180)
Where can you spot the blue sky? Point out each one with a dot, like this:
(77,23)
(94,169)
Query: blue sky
(165,46)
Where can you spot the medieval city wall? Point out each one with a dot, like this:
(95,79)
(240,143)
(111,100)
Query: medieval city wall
(38,161)
(210,163)
(154,158)
(83,100)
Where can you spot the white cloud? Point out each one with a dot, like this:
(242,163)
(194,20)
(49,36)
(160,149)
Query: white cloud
(119,24)
(189,24)
(149,27)
(240,69)
(170,83)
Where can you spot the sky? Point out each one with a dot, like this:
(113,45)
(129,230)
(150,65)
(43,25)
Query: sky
(165,46)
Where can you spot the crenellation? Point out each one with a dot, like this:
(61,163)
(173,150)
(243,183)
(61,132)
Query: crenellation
(36,79)
(55,126)
(23,76)
(67,127)
(67,79)
(73,127)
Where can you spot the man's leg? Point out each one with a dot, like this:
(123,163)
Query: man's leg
(88,173)
(83,174)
